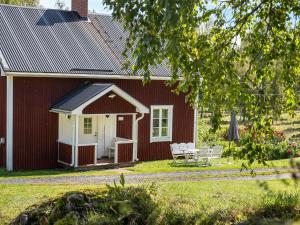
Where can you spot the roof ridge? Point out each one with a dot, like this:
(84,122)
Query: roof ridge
(34,7)
(100,14)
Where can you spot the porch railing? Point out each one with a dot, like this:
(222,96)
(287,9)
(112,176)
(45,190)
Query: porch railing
(124,150)
(87,154)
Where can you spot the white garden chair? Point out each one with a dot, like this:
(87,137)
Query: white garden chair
(176,152)
(204,154)
(112,148)
(216,153)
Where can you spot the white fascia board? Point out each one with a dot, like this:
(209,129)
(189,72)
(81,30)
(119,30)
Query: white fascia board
(60,111)
(94,76)
(140,107)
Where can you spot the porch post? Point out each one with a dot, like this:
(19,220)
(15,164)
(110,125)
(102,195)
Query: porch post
(134,137)
(76,140)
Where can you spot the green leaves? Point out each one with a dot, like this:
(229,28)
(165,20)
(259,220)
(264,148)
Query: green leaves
(231,53)
(20,2)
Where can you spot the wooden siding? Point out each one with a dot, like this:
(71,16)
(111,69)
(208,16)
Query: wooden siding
(108,105)
(125,152)
(2,120)
(36,129)
(124,127)
(86,155)
(65,153)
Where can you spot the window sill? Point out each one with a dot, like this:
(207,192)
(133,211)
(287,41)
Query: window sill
(153,140)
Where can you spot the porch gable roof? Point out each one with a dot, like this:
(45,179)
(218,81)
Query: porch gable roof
(80,98)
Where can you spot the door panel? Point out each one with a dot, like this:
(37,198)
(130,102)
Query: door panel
(106,133)
(88,138)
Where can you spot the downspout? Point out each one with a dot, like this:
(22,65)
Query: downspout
(137,134)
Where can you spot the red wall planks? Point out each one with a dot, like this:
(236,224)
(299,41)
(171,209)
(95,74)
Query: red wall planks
(125,153)
(86,155)
(36,129)
(2,120)
(65,153)
(108,105)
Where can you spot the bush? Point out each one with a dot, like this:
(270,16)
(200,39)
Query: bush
(121,205)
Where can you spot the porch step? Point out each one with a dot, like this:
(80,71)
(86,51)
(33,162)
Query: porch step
(105,166)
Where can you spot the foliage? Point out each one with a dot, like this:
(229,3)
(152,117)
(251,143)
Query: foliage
(20,2)
(226,52)
(274,147)
(139,205)
(119,205)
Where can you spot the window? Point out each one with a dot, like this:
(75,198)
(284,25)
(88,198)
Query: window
(161,123)
(87,126)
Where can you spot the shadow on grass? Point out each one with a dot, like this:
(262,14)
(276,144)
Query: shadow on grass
(33,173)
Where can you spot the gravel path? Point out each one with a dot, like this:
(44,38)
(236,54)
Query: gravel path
(161,177)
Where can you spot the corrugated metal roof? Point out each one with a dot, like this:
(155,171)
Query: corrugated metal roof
(79,96)
(57,41)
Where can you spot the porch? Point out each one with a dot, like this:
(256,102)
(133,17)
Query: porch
(91,121)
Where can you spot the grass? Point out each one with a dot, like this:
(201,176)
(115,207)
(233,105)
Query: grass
(190,196)
(212,196)
(167,166)
(143,167)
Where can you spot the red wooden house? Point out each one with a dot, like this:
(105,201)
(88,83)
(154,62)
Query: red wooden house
(65,98)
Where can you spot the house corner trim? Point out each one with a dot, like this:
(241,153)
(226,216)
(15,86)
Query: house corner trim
(9,123)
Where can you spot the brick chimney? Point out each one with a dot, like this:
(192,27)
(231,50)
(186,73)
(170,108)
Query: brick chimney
(81,6)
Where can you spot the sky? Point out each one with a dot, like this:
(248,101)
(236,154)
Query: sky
(93,5)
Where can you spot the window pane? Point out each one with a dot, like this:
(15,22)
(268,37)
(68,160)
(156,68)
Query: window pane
(165,113)
(155,132)
(87,125)
(164,132)
(156,113)
(156,123)
(164,123)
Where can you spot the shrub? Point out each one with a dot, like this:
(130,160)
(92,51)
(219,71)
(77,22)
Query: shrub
(121,205)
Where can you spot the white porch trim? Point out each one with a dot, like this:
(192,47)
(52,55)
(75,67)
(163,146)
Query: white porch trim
(195,126)
(9,122)
(76,140)
(140,107)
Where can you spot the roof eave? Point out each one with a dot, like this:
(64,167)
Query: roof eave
(82,75)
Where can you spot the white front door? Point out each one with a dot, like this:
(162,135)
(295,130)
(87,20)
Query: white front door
(88,130)
(106,132)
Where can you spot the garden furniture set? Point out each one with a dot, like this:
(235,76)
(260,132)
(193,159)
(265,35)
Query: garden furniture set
(191,154)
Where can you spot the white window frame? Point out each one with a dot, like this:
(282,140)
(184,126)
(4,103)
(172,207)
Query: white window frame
(170,124)
(84,129)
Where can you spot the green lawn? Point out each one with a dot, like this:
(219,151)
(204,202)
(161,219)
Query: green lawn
(143,167)
(190,196)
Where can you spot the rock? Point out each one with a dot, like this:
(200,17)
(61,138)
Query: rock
(74,202)
(24,219)
(43,220)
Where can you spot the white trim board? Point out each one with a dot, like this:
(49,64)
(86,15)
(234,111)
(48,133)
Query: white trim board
(170,109)
(94,76)
(9,123)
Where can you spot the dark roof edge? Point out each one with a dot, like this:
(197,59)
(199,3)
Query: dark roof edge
(74,92)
